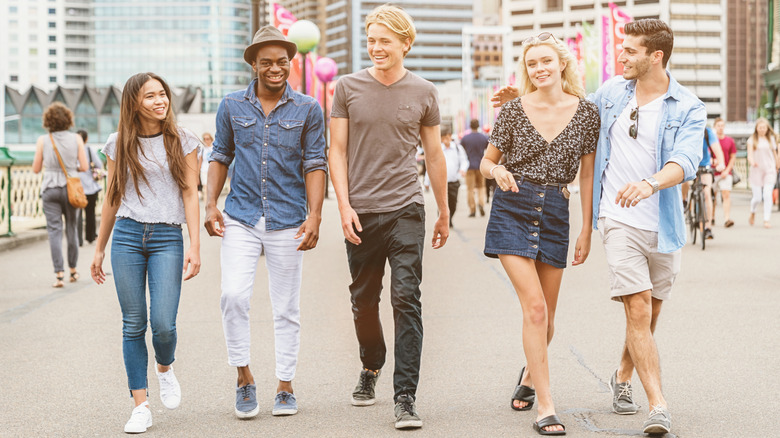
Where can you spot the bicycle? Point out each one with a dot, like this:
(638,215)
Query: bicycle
(696,210)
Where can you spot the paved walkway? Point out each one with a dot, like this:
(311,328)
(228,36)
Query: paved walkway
(62,371)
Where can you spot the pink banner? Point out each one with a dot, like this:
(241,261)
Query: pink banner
(608,66)
(618,20)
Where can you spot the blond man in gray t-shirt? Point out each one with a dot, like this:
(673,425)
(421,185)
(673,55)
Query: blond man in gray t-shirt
(378,116)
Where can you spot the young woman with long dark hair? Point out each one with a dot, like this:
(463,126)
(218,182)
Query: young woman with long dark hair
(152,190)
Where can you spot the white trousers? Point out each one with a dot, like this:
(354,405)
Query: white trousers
(241,249)
(762,192)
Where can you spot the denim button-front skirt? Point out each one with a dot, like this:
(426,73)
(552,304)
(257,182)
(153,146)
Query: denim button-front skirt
(532,223)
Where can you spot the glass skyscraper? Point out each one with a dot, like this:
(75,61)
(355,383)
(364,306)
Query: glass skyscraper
(192,43)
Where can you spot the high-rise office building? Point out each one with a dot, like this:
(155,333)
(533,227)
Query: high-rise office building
(194,43)
(45,43)
(699,57)
(747,57)
(436,53)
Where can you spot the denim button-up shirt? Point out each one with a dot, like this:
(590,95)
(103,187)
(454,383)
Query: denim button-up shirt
(680,129)
(272,154)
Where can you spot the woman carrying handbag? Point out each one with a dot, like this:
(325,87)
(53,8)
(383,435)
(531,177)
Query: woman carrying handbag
(57,119)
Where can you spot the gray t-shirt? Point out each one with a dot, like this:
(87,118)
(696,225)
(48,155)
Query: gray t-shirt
(384,130)
(161,202)
(68,146)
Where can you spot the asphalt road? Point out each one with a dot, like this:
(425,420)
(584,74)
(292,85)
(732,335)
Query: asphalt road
(62,373)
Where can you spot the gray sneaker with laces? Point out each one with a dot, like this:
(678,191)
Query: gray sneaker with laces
(406,416)
(363,395)
(246,401)
(622,397)
(659,422)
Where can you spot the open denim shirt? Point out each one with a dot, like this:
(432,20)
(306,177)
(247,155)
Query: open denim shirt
(272,154)
(680,129)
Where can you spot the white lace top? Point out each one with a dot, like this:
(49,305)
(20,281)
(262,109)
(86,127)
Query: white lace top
(161,200)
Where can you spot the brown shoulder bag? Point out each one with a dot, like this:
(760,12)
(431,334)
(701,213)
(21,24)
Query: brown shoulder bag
(76,195)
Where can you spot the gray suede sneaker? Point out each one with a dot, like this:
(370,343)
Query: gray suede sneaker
(622,397)
(406,416)
(659,422)
(363,395)
(246,401)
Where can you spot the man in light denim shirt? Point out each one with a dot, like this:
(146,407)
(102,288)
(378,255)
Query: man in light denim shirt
(650,142)
(274,137)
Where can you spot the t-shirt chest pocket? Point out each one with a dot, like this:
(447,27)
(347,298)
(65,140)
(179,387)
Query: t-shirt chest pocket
(290,132)
(407,114)
(243,130)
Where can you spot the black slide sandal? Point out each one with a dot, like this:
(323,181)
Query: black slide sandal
(523,393)
(551,420)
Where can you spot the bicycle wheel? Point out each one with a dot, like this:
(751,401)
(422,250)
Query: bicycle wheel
(701,217)
(690,217)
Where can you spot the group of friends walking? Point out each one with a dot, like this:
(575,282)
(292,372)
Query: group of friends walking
(633,142)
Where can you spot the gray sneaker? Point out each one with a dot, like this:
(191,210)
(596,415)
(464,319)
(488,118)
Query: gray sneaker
(406,416)
(659,422)
(363,395)
(246,401)
(622,397)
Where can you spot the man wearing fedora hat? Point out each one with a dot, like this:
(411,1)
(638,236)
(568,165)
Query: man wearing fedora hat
(274,137)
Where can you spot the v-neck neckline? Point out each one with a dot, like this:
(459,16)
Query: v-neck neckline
(539,134)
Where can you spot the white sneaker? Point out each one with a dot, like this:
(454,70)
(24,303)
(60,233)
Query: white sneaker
(170,391)
(140,419)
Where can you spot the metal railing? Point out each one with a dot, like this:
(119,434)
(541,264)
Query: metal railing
(21,207)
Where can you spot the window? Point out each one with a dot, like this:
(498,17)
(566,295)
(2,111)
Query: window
(52,65)
(12,9)
(33,38)
(52,51)
(33,51)
(53,79)
(52,38)
(52,25)
(52,11)
(14,78)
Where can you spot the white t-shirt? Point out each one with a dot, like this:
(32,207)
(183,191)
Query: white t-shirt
(162,202)
(632,160)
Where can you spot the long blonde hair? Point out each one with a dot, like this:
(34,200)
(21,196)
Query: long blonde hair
(571,80)
(127,143)
(771,136)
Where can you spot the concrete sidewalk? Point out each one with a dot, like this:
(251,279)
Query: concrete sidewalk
(63,375)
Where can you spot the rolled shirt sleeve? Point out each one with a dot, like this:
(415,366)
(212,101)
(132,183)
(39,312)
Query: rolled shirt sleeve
(223,148)
(687,150)
(314,142)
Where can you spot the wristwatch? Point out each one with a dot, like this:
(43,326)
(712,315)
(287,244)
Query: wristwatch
(653,183)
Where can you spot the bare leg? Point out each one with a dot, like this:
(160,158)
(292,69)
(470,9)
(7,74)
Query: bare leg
(139,396)
(641,345)
(284,386)
(726,194)
(529,283)
(626,367)
(245,376)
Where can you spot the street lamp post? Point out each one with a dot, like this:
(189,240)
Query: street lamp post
(305,35)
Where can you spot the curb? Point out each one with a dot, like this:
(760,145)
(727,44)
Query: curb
(23,238)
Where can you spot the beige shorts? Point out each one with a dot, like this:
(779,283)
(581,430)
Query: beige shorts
(635,265)
(724,182)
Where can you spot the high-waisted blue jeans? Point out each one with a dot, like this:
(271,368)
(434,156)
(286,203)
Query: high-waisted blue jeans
(139,251)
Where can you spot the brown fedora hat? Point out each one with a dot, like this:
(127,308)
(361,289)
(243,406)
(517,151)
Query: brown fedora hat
(268,35)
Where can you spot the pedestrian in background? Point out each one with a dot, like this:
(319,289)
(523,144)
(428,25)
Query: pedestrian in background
(372,164)
(475,143)
(457,164)
(152,191)
(762,158)
(203,162)
(724,181)
(92,181)
(545,134)
(57,119)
